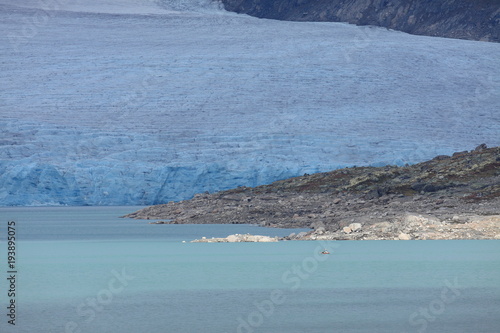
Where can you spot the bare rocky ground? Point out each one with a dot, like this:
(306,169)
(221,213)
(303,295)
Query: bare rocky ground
(448,197)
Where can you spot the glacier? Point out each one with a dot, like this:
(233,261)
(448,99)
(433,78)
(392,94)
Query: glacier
(139,102)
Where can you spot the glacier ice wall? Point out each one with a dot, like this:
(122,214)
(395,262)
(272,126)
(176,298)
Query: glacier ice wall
(125,102)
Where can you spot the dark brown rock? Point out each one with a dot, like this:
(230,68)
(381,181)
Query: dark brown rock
(481,147)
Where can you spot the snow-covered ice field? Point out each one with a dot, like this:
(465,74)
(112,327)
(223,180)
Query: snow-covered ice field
(120,102)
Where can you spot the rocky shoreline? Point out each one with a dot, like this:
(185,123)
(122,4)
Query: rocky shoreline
(448,197)
(238,238)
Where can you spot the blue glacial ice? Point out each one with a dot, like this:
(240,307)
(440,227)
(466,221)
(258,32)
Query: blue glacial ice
(137,102)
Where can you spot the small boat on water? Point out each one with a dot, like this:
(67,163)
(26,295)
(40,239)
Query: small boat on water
(325,252)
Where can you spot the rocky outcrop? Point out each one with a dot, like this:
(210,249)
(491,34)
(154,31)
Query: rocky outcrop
(451,192)
(464,19)
(238,238)
(417,227)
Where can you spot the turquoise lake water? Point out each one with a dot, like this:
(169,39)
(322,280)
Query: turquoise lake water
(83,269)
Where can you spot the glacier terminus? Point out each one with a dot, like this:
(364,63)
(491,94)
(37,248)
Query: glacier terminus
(139,102)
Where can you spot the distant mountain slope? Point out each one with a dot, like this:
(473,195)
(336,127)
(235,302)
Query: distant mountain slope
(463,19)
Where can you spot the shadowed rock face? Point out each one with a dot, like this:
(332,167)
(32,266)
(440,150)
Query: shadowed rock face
(462,19)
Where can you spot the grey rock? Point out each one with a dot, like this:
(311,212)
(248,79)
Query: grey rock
(317,224)
(481,147)
(403,236)
(459,153)
(301,234)
(375,194)
(441,157)
(320,230)
(355,226)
